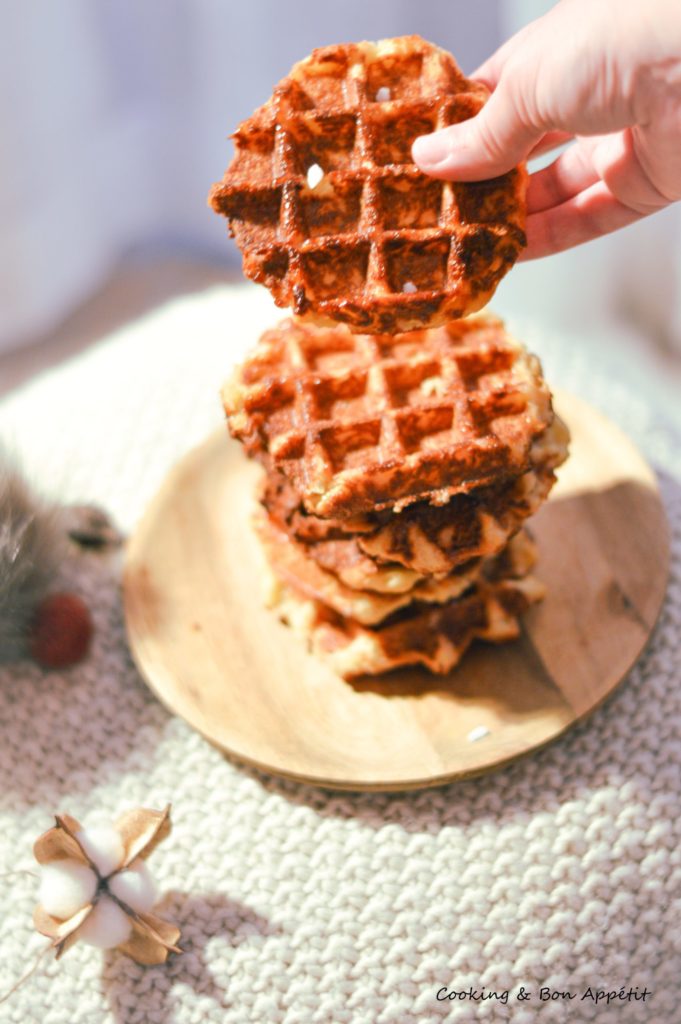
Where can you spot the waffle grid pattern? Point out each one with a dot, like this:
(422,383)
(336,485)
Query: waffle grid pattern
(374,243)
(362,422)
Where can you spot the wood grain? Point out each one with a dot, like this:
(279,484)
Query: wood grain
(217,657)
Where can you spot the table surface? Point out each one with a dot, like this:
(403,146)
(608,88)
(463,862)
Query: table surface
(298,904)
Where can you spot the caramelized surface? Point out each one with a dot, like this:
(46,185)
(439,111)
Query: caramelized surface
(359,423)
(333,217)
(424,539)
(435,636)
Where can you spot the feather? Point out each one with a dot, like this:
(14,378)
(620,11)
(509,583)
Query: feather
(32,544)
(36,537)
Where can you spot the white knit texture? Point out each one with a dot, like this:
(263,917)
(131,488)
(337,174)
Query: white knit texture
(297,904)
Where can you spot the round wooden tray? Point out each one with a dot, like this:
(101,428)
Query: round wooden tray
(215,655)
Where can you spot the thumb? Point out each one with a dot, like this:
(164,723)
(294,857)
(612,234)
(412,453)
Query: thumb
(484,146)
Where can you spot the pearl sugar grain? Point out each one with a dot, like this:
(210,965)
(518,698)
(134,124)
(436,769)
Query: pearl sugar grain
(314,175)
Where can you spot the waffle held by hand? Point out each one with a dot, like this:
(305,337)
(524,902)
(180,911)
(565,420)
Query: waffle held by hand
(360,423)
(332,215)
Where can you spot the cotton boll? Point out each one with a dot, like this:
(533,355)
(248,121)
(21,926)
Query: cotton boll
(106,926)
(66,886)
(135,887)
(104,847)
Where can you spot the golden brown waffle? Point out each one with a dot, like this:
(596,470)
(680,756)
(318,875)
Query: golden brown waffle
(331,542)
(433,636)
(431,539)
(290,561)
(359,423)
(391,552)
(332,215)
(360,571)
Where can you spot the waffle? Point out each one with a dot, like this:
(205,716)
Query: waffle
(359,423)
(290,561)
(433,636)
(332,215)
(331,542)
(431,539)
(391,553)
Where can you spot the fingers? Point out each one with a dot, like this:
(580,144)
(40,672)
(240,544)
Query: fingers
(548,142)
(489,144)
(490,70)
(596,186)
(571,173)
(617,159)
(492,142)
(609,158)
(583,217)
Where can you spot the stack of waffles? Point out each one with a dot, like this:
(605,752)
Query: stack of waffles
(404,441)
(399,470)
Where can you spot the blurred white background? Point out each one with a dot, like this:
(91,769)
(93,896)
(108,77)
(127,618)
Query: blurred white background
(115,119)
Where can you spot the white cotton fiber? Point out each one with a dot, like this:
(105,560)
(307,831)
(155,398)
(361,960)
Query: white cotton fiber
(107,926)
(65,887)
(104,847)
(136,887)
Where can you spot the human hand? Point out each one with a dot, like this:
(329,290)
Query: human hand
(603,73)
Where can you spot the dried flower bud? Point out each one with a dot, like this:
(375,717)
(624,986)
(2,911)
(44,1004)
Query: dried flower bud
(96,886)
(61,631)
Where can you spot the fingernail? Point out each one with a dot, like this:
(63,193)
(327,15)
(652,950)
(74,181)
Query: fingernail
(431,150)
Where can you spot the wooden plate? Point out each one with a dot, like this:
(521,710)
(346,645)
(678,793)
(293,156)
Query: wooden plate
(214,655)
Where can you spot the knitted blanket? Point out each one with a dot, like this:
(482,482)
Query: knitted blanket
(547,891)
